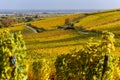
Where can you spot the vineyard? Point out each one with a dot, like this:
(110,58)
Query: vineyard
(19,27)
(53,23)
(56,40)
(88,52)
(99,20)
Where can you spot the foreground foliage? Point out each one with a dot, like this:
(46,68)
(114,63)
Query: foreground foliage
(12,54)
(96,61)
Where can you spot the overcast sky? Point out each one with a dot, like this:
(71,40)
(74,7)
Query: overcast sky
(59,4)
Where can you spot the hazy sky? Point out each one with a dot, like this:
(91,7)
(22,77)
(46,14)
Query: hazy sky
(59,4)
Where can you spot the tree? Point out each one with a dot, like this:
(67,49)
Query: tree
(67,21)
(28,19)
(7,22)
(36,16)
(69,24)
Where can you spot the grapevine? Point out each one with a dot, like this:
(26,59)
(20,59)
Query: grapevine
(12,54)
(95,61)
